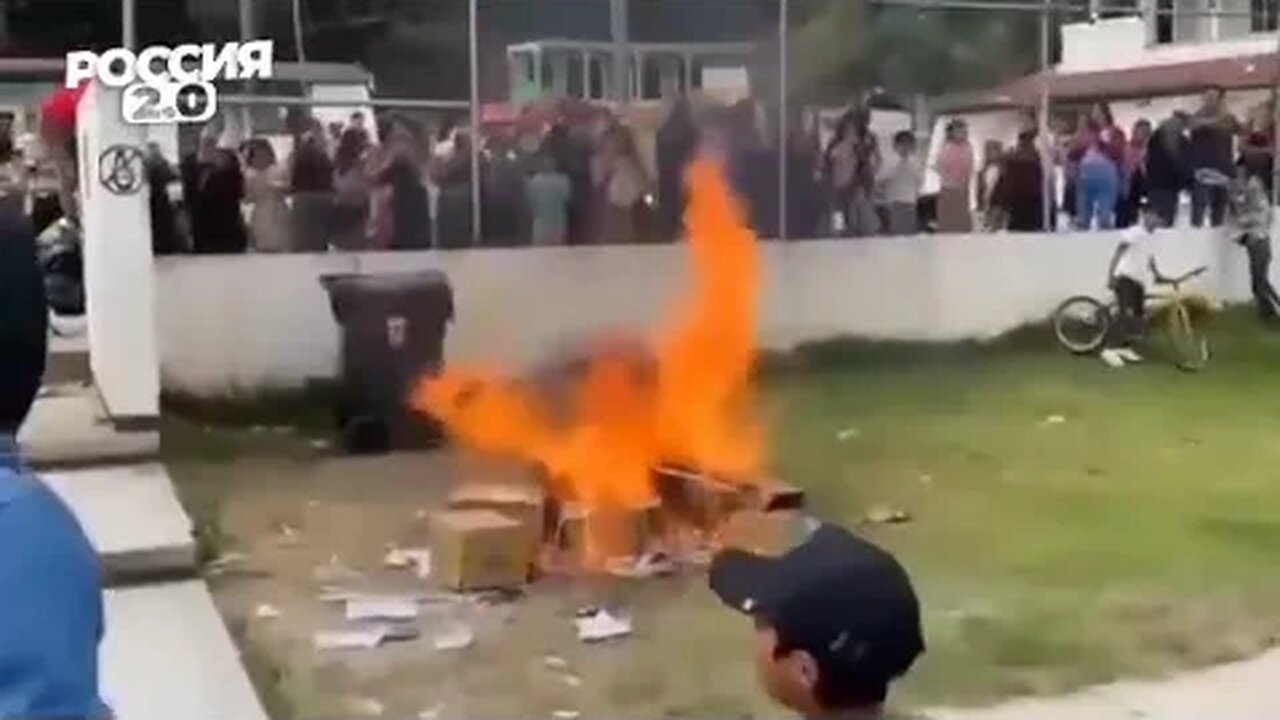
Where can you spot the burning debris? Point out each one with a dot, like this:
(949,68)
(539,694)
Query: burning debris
(642,447)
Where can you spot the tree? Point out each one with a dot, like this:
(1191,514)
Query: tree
(843,46)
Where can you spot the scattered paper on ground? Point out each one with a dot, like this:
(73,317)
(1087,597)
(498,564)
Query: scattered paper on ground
(848,434)
(456,637)
(886,515)
(351,639)
(373,607)
(602,625)
(266,612)
(419,559)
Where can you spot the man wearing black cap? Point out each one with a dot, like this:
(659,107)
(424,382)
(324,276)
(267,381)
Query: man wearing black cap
(50,598)
(837,620)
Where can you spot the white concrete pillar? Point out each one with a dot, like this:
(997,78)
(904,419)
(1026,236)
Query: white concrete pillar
(118,273)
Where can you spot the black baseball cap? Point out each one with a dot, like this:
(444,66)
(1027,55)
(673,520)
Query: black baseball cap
(845,601)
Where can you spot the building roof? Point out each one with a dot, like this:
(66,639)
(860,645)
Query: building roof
(1250,71)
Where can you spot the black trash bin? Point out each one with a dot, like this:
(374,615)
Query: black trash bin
(393,331)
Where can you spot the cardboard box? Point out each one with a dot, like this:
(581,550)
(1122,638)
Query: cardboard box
(479,550)
(523,502)
(696,498)
(764,533)
(630,534)
(768,495)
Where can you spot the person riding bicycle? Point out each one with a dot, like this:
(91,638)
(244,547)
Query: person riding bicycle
(1133,266)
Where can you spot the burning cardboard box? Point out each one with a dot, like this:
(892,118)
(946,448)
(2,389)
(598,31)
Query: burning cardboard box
(696,498)
(627,532)
(479,550)
(768,495)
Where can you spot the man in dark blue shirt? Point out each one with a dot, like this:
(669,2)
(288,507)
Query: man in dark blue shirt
(50,593)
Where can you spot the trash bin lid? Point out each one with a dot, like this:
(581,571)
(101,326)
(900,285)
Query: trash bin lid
(393,283)
(353,289)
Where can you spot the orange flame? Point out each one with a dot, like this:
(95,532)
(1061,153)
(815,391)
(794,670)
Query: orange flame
(693,406)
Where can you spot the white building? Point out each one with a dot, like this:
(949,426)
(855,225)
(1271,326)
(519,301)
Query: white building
(1145,65)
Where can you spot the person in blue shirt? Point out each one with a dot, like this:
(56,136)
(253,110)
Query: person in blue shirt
(50,583)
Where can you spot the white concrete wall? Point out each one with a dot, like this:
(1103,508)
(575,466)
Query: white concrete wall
(1123,42)
(118,274)
(251,322)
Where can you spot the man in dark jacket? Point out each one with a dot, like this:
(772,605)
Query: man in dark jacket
(1213,131)
(1168,166)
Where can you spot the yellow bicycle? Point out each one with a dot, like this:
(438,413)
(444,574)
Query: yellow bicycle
(1083,323)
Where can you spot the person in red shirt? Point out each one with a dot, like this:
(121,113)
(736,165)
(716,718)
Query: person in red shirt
(58,131)
(1099,152)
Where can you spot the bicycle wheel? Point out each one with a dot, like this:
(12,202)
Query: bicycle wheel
(1190,346)
(1081,324)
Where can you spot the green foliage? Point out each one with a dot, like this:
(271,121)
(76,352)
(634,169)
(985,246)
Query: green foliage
(848,45)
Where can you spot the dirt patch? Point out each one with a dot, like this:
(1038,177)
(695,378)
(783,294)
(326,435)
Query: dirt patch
(304,525)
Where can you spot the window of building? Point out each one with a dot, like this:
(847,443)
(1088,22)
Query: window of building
(1164,21)
(1263,15)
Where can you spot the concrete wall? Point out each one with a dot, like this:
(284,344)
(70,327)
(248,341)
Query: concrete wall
(252,322)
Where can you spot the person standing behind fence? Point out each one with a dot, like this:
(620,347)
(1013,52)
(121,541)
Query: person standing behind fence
(549,192)
(677,139)
(901,184)
(1168,167)
(351,190)
(955,166)
(1019,193)
(165,238)
(265,190)
(401,209)
(1213,131)
(1134,175)
(852,163)
(1100,151)
(623,183)
(221,192)
(311,182)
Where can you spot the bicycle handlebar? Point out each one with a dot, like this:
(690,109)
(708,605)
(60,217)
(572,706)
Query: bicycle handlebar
(1175,281)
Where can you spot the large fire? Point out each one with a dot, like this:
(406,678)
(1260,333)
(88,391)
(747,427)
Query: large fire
(687,400)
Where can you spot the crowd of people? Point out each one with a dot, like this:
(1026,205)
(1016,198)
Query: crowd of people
(574,179)
(1107,174)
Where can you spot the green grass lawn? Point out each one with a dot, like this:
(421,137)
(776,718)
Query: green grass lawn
(1138,535)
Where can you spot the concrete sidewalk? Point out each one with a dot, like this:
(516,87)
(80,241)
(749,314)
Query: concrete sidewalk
(1238,691)
(167,656)
(133,518)
(68,428)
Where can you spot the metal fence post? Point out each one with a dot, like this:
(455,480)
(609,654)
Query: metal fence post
(473,13)
(784,121)
(1048,167)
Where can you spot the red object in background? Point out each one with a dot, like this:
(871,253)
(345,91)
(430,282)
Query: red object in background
(58,114)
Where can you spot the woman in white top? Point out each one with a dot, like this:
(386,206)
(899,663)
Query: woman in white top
(265,193)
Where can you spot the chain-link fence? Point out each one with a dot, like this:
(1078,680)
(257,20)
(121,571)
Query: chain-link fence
(570,121)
